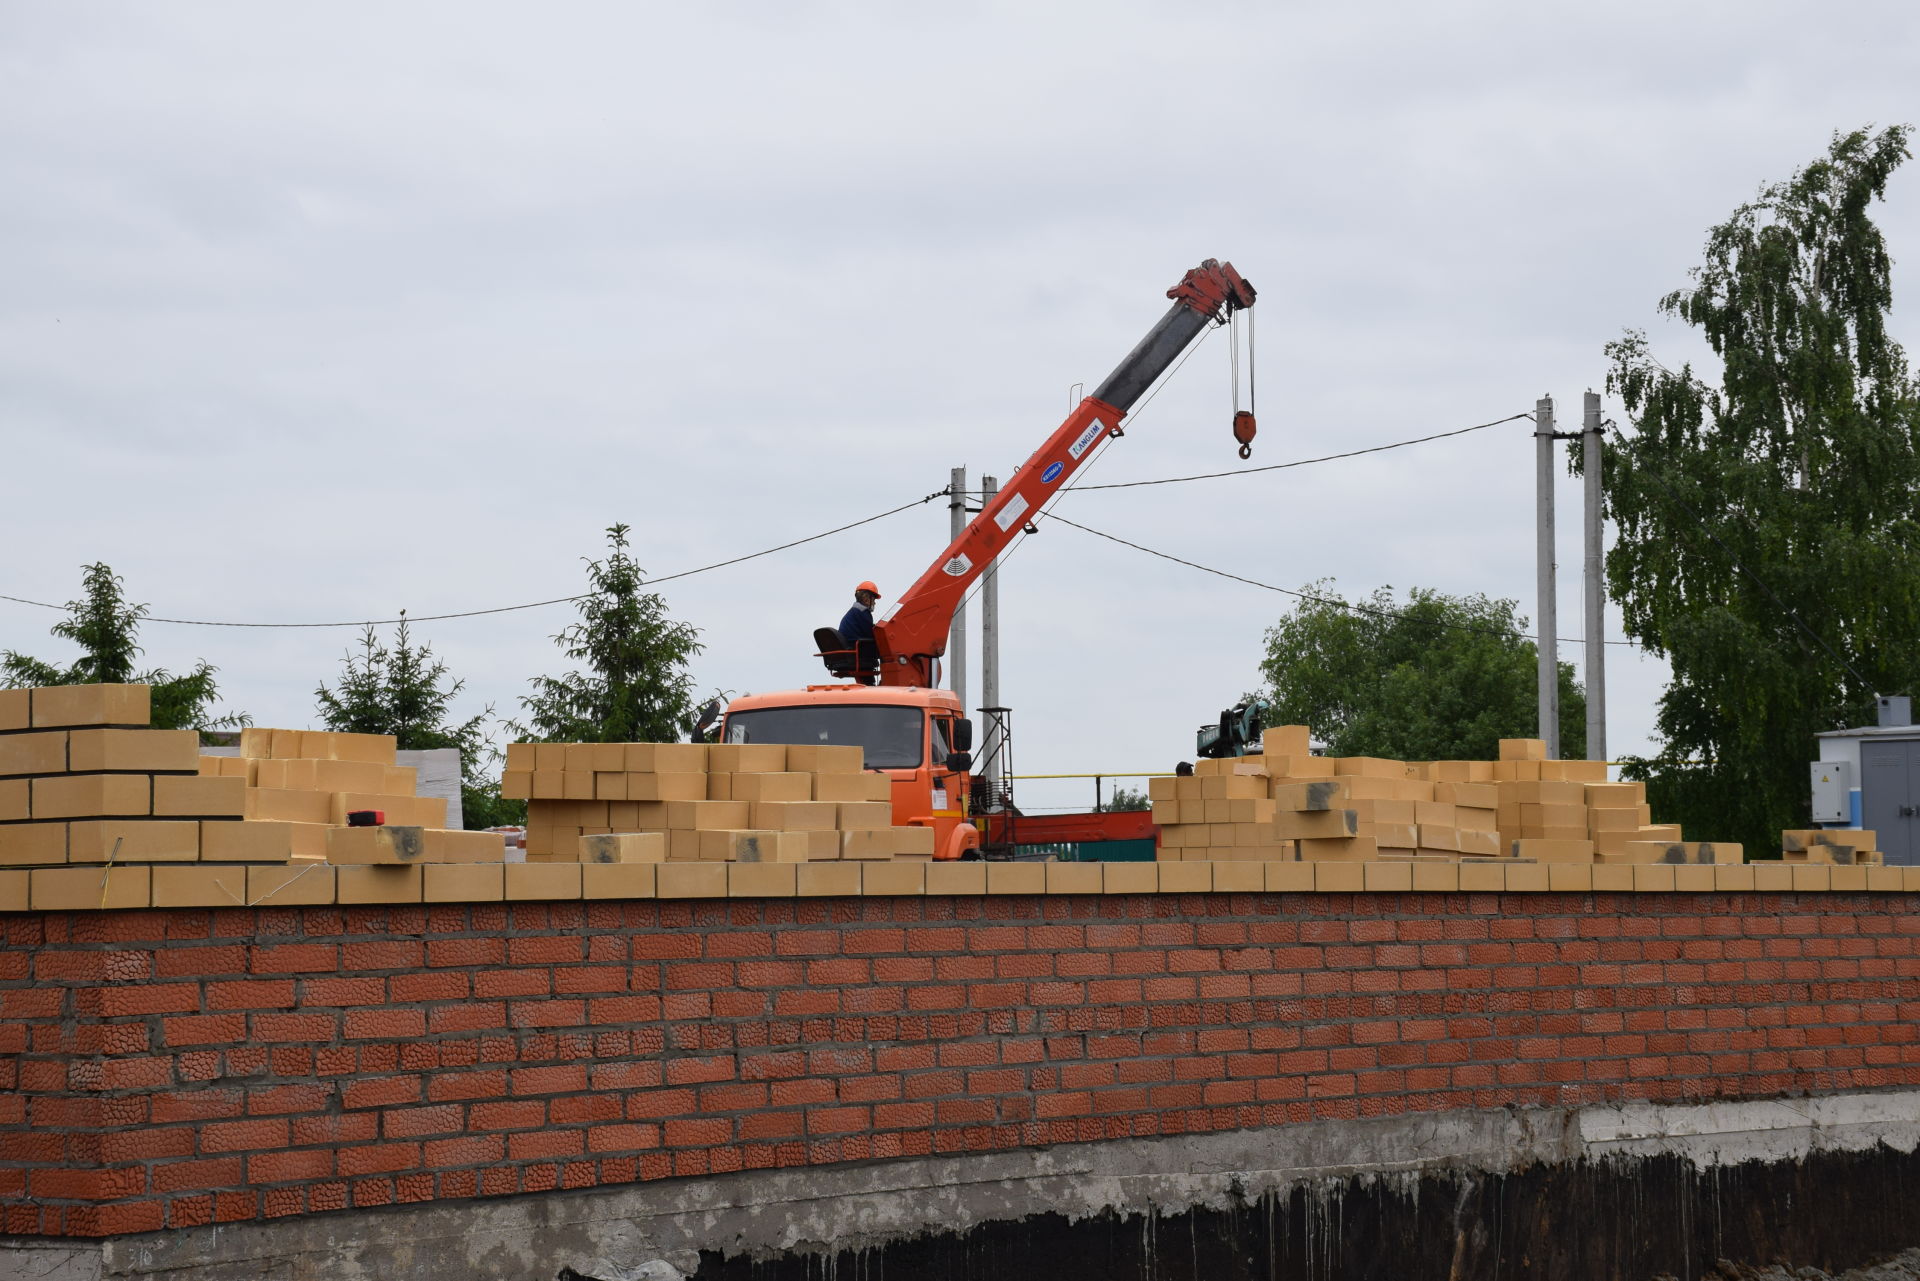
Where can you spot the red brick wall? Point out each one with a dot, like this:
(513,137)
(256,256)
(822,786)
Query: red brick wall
(174,1068)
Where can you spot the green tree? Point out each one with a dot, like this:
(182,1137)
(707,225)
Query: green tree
(1124,798)
(404,691)
(1435,678)
(636,687)
(106,627)
(1781,483)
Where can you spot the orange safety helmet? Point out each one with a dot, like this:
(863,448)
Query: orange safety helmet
(866,587)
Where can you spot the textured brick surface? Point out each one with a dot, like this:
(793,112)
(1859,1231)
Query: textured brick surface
(186,1067)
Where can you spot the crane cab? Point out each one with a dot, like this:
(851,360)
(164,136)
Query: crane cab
(918,737)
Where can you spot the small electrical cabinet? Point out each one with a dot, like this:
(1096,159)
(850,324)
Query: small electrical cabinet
(1832,791)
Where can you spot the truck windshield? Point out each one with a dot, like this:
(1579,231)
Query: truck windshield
(891,735)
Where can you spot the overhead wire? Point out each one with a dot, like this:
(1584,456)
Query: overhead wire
(1335,601)
(538,604)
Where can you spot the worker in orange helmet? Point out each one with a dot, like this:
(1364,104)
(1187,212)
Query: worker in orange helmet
(856,628)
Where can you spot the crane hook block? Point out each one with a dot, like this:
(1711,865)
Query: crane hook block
(1244,429)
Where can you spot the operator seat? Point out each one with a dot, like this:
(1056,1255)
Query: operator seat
(849,662)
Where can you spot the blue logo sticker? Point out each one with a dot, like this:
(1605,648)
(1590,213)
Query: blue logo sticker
(1052,473)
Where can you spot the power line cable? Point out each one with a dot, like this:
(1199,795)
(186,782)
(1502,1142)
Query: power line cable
(1303,462)
(538,604)
(1354,606)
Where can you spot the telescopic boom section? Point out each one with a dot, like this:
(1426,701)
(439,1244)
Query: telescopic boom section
(914,633)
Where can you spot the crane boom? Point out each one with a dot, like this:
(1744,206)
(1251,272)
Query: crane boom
(914,633)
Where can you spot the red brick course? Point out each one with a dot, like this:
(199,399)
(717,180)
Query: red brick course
(185,1067)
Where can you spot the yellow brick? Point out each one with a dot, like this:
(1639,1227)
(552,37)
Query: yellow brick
(1693,879)
(33,753)
(957,877)
(1357,849)
(1739,879)
(618,880)
(1441,877)
(287,806)
(1812,878)
(1186,877)
(1128,878)
(624,847)
(92,795)
(13,800)
(1072,878)
(694,879)
(1655,879)
(749,758)
(1387,878)
(1240,876)
(542,881)
(893,878)
(1316,825)
(822,846)
(14,883)
(1848,879)
(672,758)
(377,884)
(1528,878)
(199,796)
(353,776)
(288,886)
(1571,876)
(132,841)
(861,816)
(785,786)
(520,756)
(720,788)
(58,889)
(372,749)
(914,841)
(1614,879)
(878,843)
(826,758)
(1016,878)
(463,882)
(162,750)
(33,844)
(1772,877)
(1290,877)
(15,709)
(1339,878)
(680,786)
(827,879)
(1879,878)
(60,706)
(1482,878)
(762,880)
(754,847)
(199,886)
(1523,749)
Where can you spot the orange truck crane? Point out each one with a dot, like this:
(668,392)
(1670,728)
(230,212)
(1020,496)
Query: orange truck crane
(912,730)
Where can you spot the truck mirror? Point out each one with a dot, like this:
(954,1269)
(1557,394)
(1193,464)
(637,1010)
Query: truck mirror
(960,762)
(963,735)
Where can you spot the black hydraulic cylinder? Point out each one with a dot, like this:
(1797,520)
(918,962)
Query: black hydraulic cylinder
(1151,357)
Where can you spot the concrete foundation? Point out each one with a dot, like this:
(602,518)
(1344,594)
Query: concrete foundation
(1466,1193)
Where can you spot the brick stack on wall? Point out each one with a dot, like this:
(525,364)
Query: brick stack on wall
(1286,804)
(693,802)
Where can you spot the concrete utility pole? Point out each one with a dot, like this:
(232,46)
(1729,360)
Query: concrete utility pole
(957,637)
(990,635)
(1549,647)
(1596,623)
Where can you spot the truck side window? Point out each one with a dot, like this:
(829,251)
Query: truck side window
(940,738)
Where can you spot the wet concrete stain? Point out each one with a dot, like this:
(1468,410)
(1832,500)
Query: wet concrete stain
(1614,1220)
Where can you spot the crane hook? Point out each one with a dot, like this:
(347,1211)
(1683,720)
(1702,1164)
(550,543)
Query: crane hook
(1244,429)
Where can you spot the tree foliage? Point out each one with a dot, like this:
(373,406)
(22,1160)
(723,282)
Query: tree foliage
(636,686)
(1781,484)
(1437,677)
(106,627)
(405,692)
(1124,799)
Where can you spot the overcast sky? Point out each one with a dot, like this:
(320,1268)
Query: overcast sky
(319,312)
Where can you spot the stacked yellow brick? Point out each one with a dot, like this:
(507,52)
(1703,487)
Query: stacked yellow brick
(310,780)
(1285,804)
(723,802)
(108,811)
(1838,846)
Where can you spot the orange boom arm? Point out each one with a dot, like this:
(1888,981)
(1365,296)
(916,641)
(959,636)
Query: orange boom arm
(914,633)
